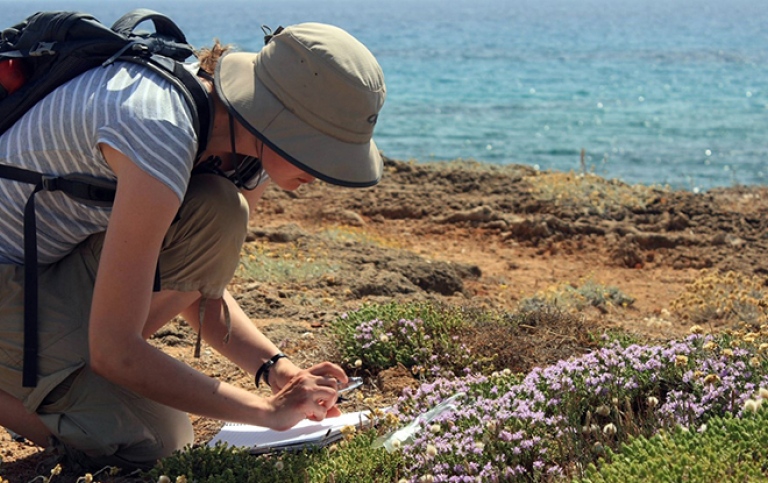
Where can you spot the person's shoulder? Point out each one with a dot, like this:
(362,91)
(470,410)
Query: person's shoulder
(135,70)
(144,88)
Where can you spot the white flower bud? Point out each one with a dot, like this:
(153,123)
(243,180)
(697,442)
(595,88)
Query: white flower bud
(751,405)
(603,410)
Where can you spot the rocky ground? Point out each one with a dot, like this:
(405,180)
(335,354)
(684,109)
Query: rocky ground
(477,236)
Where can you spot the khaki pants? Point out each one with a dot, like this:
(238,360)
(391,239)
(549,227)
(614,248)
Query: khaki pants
(95,420)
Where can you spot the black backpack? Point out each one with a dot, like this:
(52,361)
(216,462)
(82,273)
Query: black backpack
(50,48)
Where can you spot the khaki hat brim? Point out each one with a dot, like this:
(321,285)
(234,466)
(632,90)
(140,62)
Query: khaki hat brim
(326,158)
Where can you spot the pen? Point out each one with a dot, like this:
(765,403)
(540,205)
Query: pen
(352,384)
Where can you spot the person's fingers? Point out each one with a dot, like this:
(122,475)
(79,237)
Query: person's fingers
(329,369)
(330,400)
(313,395)
(324,394)
(318,412)
(328,382)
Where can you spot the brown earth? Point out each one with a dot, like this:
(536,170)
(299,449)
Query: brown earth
(476,236)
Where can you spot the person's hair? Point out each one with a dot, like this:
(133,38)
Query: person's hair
(209,56)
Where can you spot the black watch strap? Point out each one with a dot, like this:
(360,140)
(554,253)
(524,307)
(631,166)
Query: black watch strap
(263,372)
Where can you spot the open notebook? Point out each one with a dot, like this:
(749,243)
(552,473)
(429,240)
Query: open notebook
(305,434)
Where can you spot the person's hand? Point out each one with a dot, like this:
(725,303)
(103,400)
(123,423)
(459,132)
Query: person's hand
(310,394)
(284,370)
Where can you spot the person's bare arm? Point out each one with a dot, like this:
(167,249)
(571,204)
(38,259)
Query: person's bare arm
(247,347)
(244,344)
(141,214)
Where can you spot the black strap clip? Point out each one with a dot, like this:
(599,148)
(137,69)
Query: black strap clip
(50,183)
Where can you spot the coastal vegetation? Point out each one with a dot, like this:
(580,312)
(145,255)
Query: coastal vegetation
(554,375)
(683,409)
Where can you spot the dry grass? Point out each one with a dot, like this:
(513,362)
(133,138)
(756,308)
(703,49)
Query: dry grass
(728,296)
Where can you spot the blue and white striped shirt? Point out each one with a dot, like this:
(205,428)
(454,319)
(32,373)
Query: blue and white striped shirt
(124,105)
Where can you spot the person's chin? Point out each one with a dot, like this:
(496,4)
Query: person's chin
(289,186)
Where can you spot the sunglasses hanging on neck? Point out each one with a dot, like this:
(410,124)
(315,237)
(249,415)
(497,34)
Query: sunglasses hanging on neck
(246,173)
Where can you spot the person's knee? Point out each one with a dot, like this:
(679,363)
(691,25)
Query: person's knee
(128,443)
(202,248)
(171,434)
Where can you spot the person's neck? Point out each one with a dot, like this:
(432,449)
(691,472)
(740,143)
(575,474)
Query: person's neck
(219,144)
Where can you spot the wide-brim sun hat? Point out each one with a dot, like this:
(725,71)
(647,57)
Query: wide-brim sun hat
(313,95)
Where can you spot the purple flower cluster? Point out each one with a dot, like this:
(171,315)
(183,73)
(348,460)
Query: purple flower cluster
(541,426)
(369,333)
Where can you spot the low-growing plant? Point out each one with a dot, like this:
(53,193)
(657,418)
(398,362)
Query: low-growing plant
(727,450)
(565,416)
(567,296)
(546,425)
(613,336)
(351,234)
(351,460)
(422,336)
(282,264)
(729,296)
(524,339)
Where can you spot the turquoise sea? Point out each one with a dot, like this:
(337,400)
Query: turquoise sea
(654,91)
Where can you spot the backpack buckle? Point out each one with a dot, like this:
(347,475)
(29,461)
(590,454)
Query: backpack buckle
(42,48)
(50,183)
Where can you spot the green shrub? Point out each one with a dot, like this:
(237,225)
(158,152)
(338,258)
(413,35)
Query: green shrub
(566,296)
(423,337)
(729,449)
(350,461)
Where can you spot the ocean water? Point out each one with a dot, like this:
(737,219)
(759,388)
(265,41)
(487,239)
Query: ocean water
(653,91)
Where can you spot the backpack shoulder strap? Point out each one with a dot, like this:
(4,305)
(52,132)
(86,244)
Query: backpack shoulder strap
(169,48)
(164,26)
(168,39)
